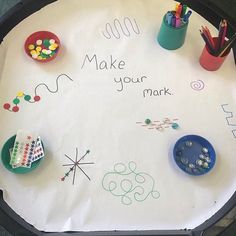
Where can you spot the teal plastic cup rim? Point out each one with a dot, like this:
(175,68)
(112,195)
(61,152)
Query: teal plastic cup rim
(5,158)
(185,24)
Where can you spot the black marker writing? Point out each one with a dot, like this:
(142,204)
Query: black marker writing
(157,92)
(128,80)
(103,64)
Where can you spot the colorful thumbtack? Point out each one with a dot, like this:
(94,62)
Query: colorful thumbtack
(199,162)
(175,126)
(191,166)
(205,165)
(204,150)
(184,160)
(148,121)
(188,144)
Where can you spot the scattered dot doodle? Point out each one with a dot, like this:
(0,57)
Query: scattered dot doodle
(159,125)
(114,29)
(21,96)
(128,184)
(76,164)
(197,85)
(229,118)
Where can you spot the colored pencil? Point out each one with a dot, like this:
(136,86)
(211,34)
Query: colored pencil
(220,46)
(212,51)
(228,45)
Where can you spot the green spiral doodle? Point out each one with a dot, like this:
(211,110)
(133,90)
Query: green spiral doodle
(129,184)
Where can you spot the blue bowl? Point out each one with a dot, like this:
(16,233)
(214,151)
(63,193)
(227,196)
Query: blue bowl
(194,155)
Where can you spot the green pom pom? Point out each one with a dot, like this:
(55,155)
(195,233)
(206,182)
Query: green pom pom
(27,97)
(46,43)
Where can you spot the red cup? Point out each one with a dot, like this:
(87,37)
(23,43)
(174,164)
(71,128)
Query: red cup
(41,35)
(211,62)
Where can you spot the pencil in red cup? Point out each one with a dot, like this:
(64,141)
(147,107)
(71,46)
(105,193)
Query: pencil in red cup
(220,36)
(208,44)
(224,33)
(207,33)
(229,44)
(210,36)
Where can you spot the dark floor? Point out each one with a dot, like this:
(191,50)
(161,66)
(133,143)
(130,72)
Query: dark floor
(216,230)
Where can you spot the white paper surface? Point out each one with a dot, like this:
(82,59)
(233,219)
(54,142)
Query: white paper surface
(96,113)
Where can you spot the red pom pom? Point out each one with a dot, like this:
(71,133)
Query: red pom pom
(37,98)
(15,108)
(6,106)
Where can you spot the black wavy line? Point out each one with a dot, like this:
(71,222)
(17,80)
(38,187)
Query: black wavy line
(117,23)
(49,90)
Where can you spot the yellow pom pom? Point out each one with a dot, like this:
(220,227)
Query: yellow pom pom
(52,48)
(55,45)
(31,47)
(20,94)
(38,49)
(33,52)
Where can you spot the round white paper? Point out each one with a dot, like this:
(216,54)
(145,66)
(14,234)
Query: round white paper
(96,113)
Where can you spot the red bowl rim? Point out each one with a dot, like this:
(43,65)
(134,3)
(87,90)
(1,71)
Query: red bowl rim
(52,35)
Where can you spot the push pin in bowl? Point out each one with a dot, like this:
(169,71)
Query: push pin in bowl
(198,155)
(188,144)
(204,150)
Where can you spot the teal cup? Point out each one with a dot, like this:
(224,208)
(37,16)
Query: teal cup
(170,37)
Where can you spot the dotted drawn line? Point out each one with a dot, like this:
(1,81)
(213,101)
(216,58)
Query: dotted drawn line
(22,96)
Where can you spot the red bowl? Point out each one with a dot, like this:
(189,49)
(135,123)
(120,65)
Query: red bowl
(42,35)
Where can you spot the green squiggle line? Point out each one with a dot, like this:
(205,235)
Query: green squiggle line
(127,186)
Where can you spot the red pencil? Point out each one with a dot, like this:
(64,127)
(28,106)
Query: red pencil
(210,37)
(209,46)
